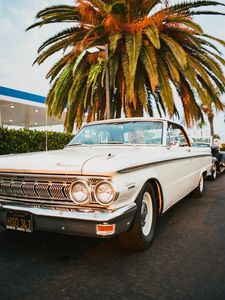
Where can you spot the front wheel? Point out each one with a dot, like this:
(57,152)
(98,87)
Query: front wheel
(141,234)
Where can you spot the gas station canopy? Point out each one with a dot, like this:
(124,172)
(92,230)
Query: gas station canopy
(19,108)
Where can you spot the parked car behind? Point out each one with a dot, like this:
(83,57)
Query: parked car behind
(218,157)
(114,178)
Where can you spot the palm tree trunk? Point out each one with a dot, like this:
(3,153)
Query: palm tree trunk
(208,110)
(211,124)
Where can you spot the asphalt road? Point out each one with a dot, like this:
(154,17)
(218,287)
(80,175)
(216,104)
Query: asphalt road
(185,261)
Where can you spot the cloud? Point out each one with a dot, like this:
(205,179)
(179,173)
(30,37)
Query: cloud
(19,49)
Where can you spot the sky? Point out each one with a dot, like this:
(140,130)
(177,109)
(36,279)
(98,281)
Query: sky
(18,48)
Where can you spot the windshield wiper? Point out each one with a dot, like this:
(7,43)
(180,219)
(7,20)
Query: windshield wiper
(71,145)
(103,143)
(112,142)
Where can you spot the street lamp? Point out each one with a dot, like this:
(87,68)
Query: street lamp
(107,82)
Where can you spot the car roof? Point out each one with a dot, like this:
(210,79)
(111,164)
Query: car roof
(125,120)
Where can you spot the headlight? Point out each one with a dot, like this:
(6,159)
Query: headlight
(80,192)
(104,193)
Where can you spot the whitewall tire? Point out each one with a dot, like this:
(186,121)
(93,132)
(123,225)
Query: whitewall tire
(141,234)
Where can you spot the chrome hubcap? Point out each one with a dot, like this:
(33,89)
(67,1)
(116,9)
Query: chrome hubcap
(146,213)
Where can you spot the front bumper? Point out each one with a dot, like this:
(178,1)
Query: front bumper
(82,222)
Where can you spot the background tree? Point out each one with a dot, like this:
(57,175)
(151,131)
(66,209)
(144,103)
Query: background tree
(208,110)
(153,49)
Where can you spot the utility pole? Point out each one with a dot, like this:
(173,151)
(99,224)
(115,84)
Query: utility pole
(107,83)
(104,48)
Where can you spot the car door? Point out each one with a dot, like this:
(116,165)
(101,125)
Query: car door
(180,181)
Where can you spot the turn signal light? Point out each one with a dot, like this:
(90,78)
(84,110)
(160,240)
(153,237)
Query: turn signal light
(105,229)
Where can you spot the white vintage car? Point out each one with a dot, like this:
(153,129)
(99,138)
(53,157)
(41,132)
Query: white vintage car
(114,178)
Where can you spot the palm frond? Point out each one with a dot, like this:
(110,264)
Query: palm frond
(173,70)
(149,60)
(70,32)
(165,87)
(113,41)
(61,45)
(56,14)
(187,5)
(176,49)
(133,48)
(222,42)
(192,110)
(153,35)
(214,98)
(57,67)
(206,12)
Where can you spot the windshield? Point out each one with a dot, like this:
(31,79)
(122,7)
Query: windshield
(120,133)
(203,140)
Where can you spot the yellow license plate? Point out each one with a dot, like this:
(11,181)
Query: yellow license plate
(19,221)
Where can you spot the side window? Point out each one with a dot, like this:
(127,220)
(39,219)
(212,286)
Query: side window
(176,134)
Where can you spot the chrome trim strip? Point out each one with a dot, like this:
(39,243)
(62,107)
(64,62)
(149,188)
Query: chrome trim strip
(62,176)
(35,201)
(38,175)
(141,166)
(100,216)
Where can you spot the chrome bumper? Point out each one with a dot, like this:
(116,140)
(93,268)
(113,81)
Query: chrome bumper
(80,222)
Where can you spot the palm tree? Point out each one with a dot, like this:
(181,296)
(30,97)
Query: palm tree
(154,50)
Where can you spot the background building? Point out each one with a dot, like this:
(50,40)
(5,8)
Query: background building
(19,109)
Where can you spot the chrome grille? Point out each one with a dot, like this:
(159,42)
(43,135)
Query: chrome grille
(66,191)
(56,191)
(17,188)
(42,190)
(28,189)
(52,190)
(5,186)
(93,181)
